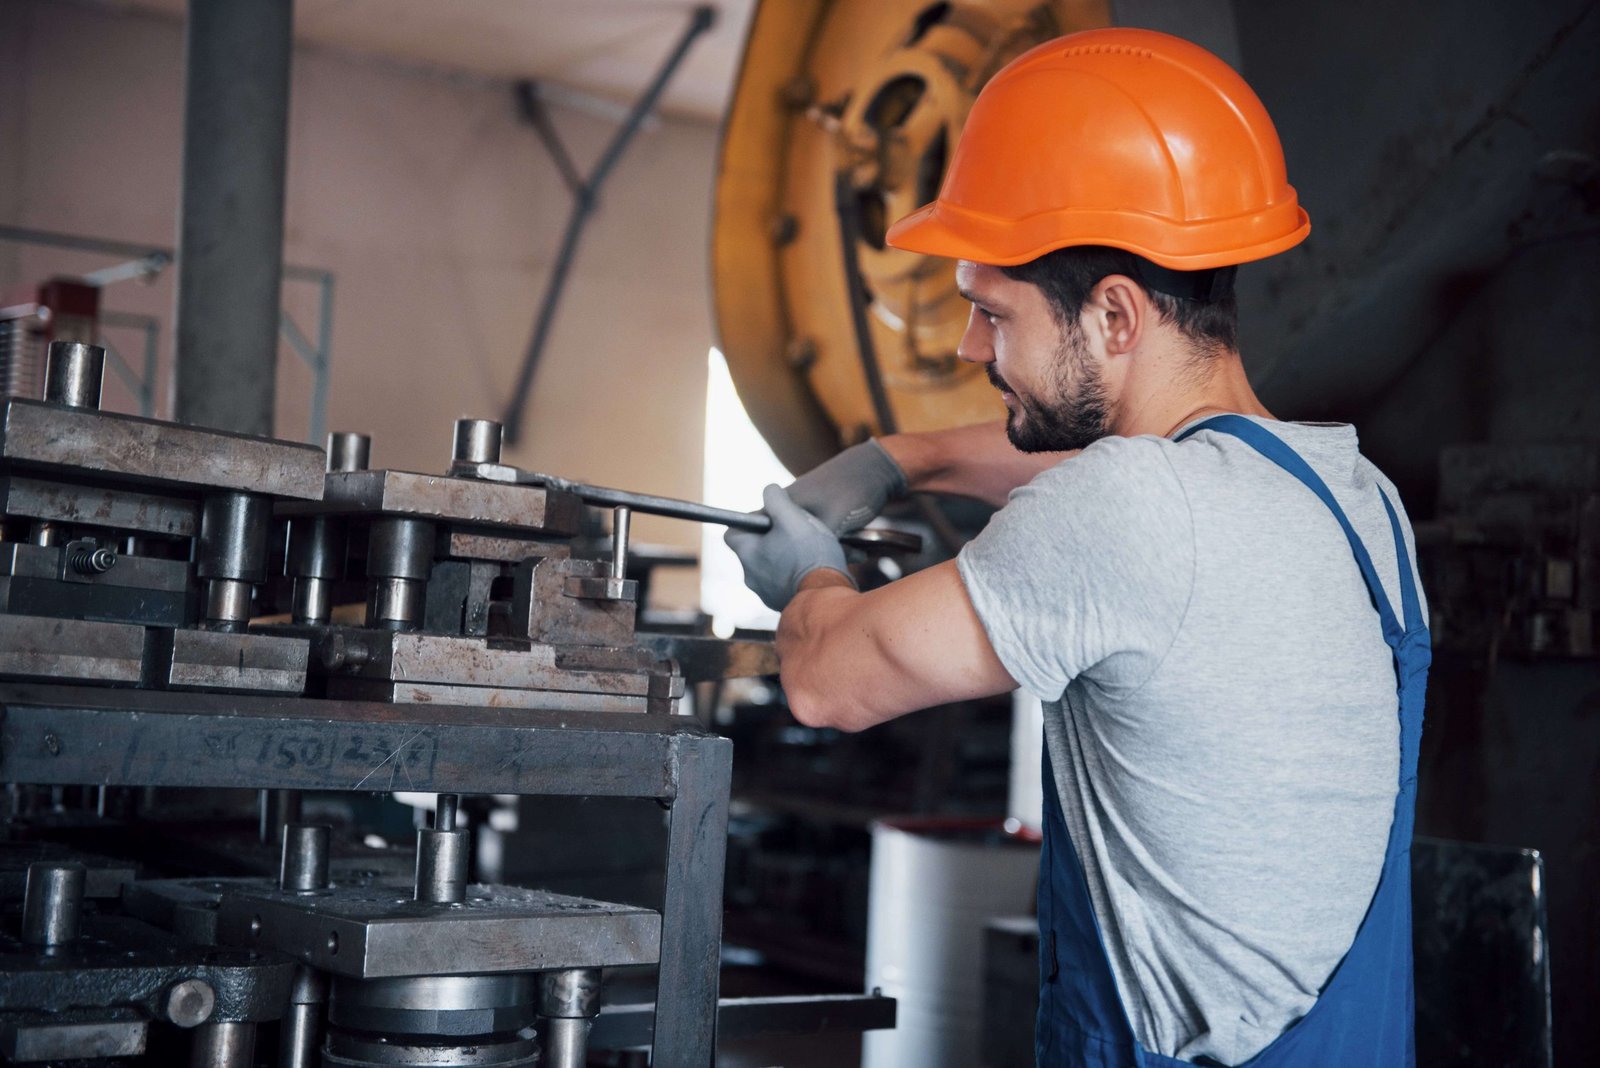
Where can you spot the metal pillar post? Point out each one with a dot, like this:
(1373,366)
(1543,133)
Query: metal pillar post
(685,1032)
(230,238)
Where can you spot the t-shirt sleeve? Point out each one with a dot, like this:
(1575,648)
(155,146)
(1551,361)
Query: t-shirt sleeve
(1087,570)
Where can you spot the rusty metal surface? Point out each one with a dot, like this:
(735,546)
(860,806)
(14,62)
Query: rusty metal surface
(59,734)
(470,501)
(212,660)
(704,659)
(111,447)
(21,560)
(368,930)
(502,548)
(403,692)
(71,650)
(118,509)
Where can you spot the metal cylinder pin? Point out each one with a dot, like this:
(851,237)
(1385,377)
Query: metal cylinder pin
(52,903)
(477,441)
(349,451)
(621,522)
(304,866)
(73,374)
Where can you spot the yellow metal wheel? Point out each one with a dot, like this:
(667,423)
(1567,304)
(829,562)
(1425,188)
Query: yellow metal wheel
(878,92)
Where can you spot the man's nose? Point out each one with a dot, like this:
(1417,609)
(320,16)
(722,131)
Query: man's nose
(975,346)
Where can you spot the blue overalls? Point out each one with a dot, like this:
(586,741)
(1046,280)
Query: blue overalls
(1364,1015)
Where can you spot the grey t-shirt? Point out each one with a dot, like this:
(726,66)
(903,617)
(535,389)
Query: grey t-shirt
(1220,711)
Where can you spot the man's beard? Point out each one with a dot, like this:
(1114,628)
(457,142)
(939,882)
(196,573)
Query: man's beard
(1077,414)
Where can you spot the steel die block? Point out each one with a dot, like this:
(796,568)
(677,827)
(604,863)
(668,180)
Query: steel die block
(120,962)
(98,506)
(74,650)
(474,502)
(380,931)
(426,693)
(217,660)
(92,1034)
(703,659)
(117,448)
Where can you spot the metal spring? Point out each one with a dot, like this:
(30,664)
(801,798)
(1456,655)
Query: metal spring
(93,561)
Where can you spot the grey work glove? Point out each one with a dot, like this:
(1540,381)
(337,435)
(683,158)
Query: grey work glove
(849,490)
(776,561)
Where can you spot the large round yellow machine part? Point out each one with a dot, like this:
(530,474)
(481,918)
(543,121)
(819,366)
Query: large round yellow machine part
(875,92)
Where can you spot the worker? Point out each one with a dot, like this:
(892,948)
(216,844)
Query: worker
(1218,609)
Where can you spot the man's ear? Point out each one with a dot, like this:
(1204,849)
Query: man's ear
(1118,312)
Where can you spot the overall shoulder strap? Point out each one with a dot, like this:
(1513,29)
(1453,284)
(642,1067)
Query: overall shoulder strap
(1276,450)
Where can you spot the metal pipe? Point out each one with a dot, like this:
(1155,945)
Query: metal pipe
(304,865)
(52,903)
(73,374)
(231,554)
(230,238)
(223,1045)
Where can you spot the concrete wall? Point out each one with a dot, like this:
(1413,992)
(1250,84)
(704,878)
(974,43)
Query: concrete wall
(439,214)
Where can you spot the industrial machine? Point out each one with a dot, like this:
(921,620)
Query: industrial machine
(189,608)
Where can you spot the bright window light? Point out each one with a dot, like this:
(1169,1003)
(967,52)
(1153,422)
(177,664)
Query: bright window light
(738,466)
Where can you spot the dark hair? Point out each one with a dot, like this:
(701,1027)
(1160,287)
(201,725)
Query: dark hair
(1067,276)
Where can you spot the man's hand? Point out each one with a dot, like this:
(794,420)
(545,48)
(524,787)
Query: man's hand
(798,544)
(851,489)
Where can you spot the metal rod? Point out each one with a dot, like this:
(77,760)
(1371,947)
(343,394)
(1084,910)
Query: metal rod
(301,1037)
(223,1045)
(871,538)
(444,812)
(566,1042)
(583,205)
(621,520)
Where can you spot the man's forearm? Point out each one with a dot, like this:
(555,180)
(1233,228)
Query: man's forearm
(852,660)
(975,461)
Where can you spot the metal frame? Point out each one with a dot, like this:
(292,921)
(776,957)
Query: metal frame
(586,196)
(53,734)
(147,261)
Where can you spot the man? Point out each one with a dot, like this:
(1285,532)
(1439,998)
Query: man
(1218,609)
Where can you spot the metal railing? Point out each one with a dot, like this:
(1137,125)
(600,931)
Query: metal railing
(147,262)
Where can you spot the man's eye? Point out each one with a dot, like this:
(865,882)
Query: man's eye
(988,316)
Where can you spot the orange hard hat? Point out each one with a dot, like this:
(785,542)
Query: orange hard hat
(1121,137)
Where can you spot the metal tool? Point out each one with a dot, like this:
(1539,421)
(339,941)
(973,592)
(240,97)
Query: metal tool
(872,539)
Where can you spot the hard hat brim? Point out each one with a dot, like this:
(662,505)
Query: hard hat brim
(943,229)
